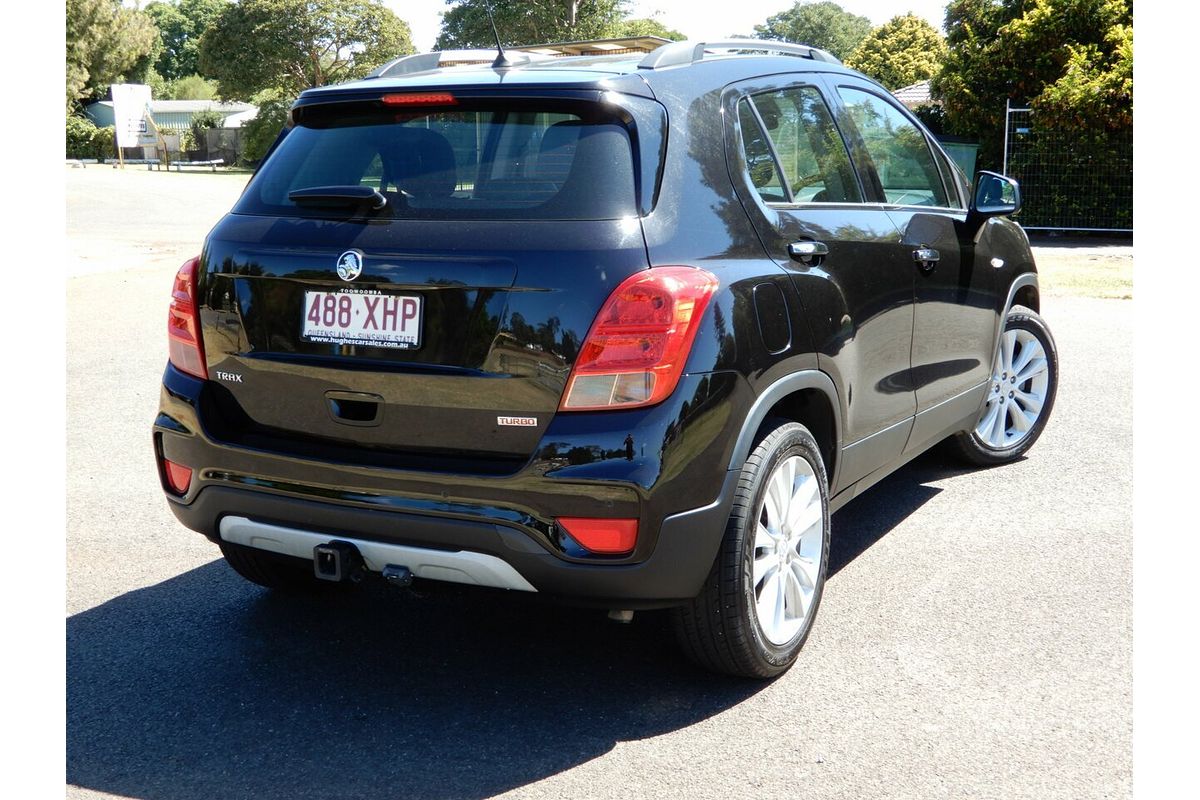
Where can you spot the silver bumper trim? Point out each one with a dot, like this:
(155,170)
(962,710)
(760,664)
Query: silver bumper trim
(455,566)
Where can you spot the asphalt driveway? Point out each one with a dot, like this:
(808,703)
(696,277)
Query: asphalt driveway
(974,640)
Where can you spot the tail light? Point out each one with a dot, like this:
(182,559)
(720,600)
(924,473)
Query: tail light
(179,477)
(186,350)
(607,536)
(635,351)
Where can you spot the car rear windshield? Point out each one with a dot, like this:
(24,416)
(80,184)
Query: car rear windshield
(481,160)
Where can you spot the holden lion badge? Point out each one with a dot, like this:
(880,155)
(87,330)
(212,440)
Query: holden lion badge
(349,265)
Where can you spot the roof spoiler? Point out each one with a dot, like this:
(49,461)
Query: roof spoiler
(689,52)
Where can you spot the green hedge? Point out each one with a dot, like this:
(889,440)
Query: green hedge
(85,140)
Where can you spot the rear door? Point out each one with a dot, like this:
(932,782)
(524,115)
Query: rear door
(444,322)
(801,189)
(954,316)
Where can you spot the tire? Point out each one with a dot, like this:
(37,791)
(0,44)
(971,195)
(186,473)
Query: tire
(724,628)
(1024,399)
(272,570)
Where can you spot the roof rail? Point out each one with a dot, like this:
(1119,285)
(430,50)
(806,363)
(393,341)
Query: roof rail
(689,52)
(423,62)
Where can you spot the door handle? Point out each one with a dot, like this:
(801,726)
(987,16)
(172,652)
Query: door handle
(355,408)
(926,258)
(808,252)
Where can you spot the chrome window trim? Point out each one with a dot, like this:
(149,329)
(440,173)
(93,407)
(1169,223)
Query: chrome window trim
(876,206)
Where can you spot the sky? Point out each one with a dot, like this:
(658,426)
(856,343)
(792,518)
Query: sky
(698,19)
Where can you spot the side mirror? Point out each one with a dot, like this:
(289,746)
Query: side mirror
(995,196)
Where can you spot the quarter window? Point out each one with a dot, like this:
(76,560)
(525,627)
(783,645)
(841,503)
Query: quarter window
(898,150)
(810,150)
(764,173)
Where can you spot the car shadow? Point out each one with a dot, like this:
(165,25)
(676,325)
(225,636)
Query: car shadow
(204,686)
(867,519)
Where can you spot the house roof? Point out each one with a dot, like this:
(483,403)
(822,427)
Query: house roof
(191,106)
(241,118)
(597,47)
(917,94)
(591,47)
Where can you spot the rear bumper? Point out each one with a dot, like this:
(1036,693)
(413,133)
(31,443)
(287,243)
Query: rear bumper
(681,496)
(674,572)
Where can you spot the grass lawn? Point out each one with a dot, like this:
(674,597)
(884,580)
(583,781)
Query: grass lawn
(1086,272)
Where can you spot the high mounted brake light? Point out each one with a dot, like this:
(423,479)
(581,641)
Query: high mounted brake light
(420,99)
(185,348)
(635,351)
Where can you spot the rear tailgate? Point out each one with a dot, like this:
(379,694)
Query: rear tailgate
(478,281)
(499,326)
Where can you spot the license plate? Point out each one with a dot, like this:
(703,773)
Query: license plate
(373,320)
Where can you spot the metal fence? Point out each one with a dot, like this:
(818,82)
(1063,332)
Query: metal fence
(1070,181)
(223,143)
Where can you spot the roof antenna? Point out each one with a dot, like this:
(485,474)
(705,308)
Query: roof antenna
(501,61)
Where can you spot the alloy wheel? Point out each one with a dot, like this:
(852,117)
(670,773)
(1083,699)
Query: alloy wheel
(1020,382)
(788,542)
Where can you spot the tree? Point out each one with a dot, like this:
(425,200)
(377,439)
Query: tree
(259,133)
(181,23)
(106,43)
(1072,60)
(190,87)
(901,52)
(646,26)
(291,45)
(825,25)
(1097,88)
(522,22)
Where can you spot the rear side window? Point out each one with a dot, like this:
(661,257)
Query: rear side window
(810,150)
(553,161)
(898,150)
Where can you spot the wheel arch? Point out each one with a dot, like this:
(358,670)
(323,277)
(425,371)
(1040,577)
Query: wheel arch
(808,397)
(1027,295)
(1022,291)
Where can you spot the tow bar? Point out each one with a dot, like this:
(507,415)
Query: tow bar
(338,561)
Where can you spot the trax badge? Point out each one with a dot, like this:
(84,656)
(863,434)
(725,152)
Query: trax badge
(349,265)
(232,377)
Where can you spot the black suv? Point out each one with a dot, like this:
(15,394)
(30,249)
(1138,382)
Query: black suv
(622,330)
